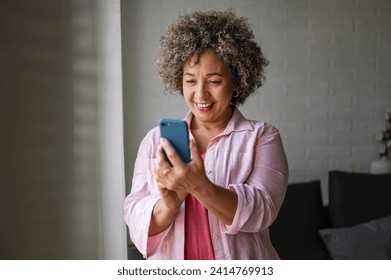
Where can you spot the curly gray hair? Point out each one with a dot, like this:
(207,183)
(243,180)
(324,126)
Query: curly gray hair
(223,32)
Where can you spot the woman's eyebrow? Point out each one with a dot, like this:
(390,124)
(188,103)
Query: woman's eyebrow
(209,74)
(214,74)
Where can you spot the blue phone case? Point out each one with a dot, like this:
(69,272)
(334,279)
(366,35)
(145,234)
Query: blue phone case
(176,131)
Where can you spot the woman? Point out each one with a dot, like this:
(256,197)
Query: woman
(221,204)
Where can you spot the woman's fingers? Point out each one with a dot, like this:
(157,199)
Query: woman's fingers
(180,177)
(160,156)
(171,154)
(161,163)
(196,156)
(161,168)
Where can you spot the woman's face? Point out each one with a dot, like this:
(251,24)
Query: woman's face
(207,88)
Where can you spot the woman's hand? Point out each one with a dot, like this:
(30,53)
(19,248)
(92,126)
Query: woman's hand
(181,177)
(191,178)
(176,182)
(171,199)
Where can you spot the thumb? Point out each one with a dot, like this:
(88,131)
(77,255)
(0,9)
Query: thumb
(194,150)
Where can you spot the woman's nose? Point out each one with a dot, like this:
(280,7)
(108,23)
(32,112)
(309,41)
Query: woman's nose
(201,91)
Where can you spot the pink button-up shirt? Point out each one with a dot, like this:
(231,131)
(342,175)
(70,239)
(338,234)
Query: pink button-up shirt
(247,157)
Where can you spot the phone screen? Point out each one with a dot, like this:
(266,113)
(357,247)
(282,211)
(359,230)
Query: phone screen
(177,133)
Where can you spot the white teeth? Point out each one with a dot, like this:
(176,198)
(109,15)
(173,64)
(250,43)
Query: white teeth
(204,105)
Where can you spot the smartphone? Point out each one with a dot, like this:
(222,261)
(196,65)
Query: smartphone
(177,133)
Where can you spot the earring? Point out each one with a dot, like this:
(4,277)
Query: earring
(236,95)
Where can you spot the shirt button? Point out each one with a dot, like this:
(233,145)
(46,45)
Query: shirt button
(209,171)
(215,237)
(211,149)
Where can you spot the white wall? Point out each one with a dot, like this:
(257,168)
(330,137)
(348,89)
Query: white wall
(327,86)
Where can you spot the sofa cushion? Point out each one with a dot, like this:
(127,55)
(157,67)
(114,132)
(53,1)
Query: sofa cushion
(295,234)
(365,241)
(358,197)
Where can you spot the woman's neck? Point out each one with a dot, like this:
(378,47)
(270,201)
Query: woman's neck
(215,127)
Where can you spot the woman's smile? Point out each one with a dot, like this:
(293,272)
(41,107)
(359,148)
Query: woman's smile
(204,107)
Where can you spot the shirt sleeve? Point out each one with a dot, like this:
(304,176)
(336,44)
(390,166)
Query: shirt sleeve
(139,204)
(261,195)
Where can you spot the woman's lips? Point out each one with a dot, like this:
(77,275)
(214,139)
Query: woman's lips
(204,107)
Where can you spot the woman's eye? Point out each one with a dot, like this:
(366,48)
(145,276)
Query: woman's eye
(215,82)
(190,81)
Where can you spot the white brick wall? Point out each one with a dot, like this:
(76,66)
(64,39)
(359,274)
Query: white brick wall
(327,87)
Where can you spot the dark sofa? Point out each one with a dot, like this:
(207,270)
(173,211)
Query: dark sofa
(356,224)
